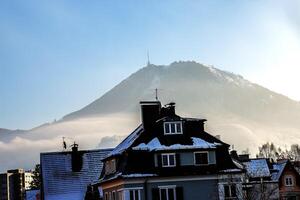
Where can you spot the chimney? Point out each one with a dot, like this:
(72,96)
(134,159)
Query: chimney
(168,110)
(244,157)
(234,155)
(150,112)
(76,158)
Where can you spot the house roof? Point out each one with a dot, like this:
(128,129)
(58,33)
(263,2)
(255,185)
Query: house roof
(257,168)
(60,182)
(278,169)
(127,142)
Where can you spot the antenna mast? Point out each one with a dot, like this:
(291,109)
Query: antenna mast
(148,61)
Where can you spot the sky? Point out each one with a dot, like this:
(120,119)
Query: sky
(56,56)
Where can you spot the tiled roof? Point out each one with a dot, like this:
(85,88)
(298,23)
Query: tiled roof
(278,167)
(60,182)
(257,168)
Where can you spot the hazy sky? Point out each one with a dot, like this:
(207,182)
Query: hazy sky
(56,56)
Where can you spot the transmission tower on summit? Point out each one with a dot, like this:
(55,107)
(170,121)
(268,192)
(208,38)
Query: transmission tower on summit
(148,59)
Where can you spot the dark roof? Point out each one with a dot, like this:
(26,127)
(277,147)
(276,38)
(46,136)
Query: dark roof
(60,182)
(130,141)
(127,142)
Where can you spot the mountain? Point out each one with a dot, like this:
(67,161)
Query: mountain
(198,90)
(4,130)
(235,108)
(243,113)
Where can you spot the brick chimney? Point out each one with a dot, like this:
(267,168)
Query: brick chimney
(150,112)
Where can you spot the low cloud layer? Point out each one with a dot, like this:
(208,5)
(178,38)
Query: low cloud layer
(22,150)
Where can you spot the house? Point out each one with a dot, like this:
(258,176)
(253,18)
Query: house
(169,157)
(12,185)
(66,175)
(28,179)
(259,182)
(288,180)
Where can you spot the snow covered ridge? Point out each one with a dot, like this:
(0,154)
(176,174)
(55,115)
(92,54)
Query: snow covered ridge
(155,145)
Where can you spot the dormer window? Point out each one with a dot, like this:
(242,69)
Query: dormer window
(110,166)
(168,160)
(201,158)
(172,128)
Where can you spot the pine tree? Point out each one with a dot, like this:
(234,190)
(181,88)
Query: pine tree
(36,178)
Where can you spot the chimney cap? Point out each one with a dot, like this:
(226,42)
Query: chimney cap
(150,103)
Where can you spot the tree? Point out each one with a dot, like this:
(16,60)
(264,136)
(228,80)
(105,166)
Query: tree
(36,178)
(294,152)
(268,150)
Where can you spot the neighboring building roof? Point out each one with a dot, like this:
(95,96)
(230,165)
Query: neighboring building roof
(155,145)
(279,167)
(32,194)
(60,182)
(257,168)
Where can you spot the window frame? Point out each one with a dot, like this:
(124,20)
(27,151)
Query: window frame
(138,190)
(113,195)
(230,191)
(289,177)
(200,152)
(175,124)
(110,166)
(168,159)
(167,188)
(120,194)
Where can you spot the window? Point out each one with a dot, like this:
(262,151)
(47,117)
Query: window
(289,181)
(167,193)
(173,128)
(201,158)
(120,195)
(134,194)
(113,195)
(110,166)
(230,191)
(168,160)
(108,196)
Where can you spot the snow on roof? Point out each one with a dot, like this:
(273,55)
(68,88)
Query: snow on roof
(155,145)
(279,167)
(138,175)
(60,182)
(231,170)
(127,142)
(257,168)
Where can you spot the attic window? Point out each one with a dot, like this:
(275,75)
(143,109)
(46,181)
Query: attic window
(110,166)
(171,128)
